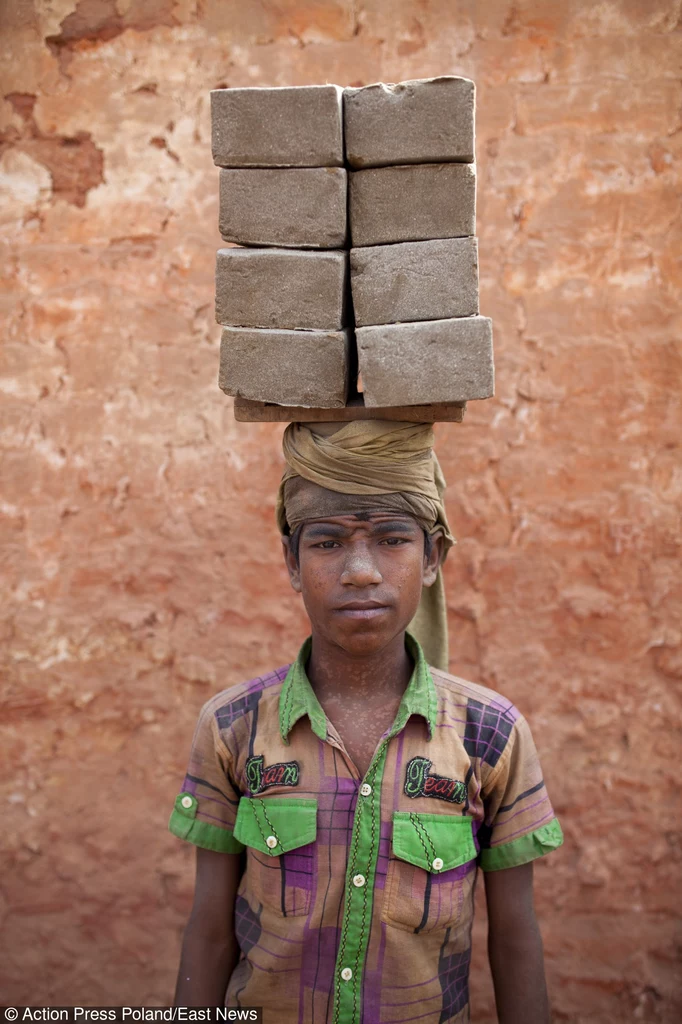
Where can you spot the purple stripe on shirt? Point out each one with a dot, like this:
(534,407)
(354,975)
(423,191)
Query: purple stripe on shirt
(212,800)
(452,874)
(269,970)
(524,810)
(281,938)
(212,817)
(452,718)
(418,985)
(521,831)
(406,1020)
(422,999)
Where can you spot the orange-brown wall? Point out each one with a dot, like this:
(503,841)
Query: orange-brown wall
(140,563)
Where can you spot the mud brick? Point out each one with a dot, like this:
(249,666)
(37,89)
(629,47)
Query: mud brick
(434,280)
(412,202)
(430,120)
(422,363)
(303,368)
(281,288)
(297,208)
(290,127)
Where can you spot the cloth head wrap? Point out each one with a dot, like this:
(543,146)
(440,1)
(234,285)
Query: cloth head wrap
(371,465)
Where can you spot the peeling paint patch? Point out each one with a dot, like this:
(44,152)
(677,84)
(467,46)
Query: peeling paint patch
(74,162)
(97,21)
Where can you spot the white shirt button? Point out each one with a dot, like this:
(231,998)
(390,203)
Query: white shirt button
(346,974)
(271,841)
(187,801)
(359,880)
(365,789)
(437,864)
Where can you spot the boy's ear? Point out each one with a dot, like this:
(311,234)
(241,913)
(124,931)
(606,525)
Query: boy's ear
(434,559)
(292,565)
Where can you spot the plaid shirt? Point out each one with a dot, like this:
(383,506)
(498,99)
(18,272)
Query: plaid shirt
(357,900)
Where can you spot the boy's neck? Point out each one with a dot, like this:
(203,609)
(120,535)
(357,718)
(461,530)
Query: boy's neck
(374,679)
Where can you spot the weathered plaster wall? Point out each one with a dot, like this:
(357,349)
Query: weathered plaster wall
(140,563)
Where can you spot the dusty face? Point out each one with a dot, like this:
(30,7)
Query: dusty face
(361,577)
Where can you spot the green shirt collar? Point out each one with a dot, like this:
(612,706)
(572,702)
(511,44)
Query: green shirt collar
(297,697)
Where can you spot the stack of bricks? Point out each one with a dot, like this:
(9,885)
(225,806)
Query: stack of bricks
(354,211)
(283,192)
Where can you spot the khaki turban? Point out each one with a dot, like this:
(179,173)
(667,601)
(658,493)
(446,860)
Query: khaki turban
(377,465)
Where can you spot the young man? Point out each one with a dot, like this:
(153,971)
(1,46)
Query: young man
(342,806)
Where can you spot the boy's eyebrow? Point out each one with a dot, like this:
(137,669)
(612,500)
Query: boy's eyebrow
(394,526)
(314,531)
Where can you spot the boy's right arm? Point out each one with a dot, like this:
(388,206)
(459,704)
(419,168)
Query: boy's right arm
(209,946)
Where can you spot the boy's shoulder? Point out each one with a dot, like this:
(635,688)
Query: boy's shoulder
(490,725)
(474,695)
(238,700)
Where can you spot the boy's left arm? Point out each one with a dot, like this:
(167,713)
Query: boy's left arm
(515,947)
(520,826)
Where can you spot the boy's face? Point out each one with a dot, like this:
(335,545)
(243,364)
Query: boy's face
(361,577)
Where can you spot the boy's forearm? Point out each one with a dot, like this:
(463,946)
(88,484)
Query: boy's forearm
(518,970)
(206,964)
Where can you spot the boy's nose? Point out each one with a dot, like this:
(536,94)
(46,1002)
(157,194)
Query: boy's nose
(360,569)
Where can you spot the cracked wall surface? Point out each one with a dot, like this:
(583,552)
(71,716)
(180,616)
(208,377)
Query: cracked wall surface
(140,562)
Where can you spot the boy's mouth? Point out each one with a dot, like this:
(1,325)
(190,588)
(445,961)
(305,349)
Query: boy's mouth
(362,609)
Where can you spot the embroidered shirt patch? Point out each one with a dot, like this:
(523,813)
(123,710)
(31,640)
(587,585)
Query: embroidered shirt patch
(260,778)
(420,782)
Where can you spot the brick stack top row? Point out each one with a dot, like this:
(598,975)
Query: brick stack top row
(429,121)
(410,147)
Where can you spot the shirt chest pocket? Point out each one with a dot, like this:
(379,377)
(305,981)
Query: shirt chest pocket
(279,835)
(431,871)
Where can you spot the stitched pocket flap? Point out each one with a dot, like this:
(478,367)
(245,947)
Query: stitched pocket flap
(435,842)
(276,825)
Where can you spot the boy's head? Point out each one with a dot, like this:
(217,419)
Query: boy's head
(360,570)
(364,530)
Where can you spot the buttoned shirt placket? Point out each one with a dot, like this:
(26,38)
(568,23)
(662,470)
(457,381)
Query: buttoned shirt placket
(418,698)
(359,892)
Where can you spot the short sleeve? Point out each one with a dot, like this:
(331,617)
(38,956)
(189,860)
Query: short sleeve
(206,808)
(520,824)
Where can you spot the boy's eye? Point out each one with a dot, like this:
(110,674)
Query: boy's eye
(329,545)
